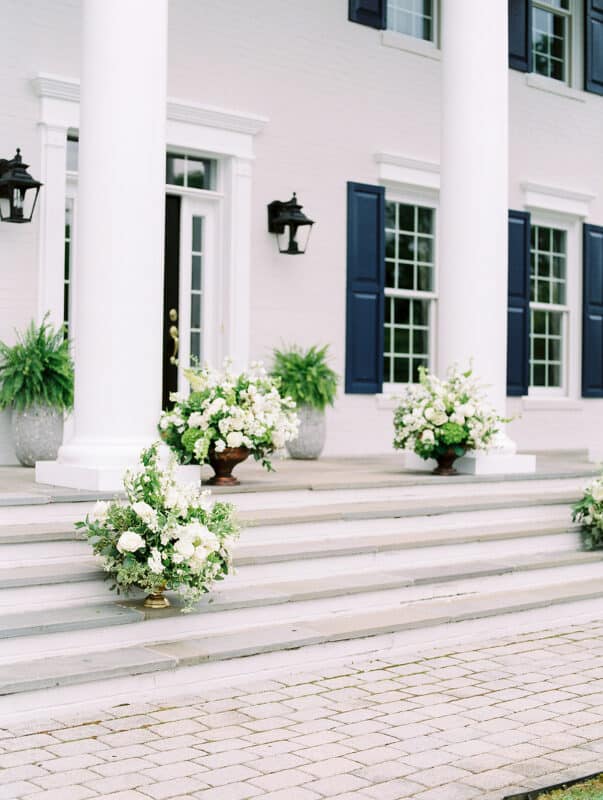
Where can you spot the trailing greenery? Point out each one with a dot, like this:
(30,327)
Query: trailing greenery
(37,370)
(586,790)
(589,513)
(305,376)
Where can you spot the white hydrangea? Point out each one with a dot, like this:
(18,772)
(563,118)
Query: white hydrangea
(155,563)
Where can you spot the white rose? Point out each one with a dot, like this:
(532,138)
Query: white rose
(184,548)
(220,445)
(147,514)
(154,562)
(234,439)
(427,436)
(129,542)
(439,418)
(458,418)
(429,413)
(99,512)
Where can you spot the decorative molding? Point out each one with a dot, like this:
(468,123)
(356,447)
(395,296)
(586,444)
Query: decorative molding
(553,86)
(397,169)
(212,117)
(410,44)
(58,88)
(557,200)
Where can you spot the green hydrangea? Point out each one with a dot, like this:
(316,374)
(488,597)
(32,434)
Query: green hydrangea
(452,433)
(190,438)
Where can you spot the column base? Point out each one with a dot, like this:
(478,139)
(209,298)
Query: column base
(478,464)
(77,476)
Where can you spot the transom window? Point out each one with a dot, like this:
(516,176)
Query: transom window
(409,289)
(68,260)
(412,17)
(551,21)
(548,306)
(192,172)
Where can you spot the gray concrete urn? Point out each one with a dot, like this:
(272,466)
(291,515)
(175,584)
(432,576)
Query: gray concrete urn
(312,434)
(37,434)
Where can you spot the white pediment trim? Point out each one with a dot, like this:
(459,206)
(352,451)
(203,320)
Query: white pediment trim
(403,171)
(557,200)
(54,87)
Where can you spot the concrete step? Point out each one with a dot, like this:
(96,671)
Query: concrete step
(52,620)
(26,674)
(254,588)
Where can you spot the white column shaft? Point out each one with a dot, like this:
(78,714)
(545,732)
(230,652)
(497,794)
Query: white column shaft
(472,314)
(120,230)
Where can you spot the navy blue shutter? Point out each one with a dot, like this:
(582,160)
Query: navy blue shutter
(365,284)
(593,63)
(520,35)
(592,313)
(368,12)
(518,314)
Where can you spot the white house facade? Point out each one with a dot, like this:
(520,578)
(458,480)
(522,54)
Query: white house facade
(449,152)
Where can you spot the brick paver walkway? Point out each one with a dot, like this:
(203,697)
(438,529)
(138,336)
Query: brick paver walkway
(454,724)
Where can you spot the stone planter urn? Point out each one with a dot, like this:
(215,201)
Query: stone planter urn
(312,434)
(37,434)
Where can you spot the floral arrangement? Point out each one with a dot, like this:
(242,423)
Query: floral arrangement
(227,410)
(439,414)
(589,512)
(164,536)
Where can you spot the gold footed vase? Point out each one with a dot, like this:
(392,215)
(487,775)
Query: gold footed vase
(157,599)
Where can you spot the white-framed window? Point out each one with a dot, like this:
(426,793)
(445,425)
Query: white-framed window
(190,171)
(549,309)
(416,18)
(552,33)
(68,268)
(410,266)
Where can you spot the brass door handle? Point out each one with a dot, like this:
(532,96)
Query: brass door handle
(174,334)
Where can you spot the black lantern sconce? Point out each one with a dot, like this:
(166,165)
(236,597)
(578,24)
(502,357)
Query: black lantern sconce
(18,190)
(289,215)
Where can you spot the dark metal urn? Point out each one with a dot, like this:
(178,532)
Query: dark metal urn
(223,464)
(445,462)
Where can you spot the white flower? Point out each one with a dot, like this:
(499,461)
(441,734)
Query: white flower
(427,436)
(467,410)
(154,562)
(220,445)
(196,420)
(439,418)
(458,418)
(147,514)
(129,542)
(597,492)
(234,439)
(184,547)
(99,512)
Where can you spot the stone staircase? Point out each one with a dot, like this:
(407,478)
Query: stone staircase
(312,567)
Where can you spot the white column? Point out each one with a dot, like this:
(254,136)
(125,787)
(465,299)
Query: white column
(120,225)
(472,313)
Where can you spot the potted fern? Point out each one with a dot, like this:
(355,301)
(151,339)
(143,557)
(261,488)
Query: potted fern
(36,381)
(306,377)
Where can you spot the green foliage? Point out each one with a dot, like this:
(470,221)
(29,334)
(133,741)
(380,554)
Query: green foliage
(586,790)
(164,535)
(305,376)
(588,511)
(37,370)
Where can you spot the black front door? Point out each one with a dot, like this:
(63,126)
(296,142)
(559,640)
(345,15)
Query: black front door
(170,297)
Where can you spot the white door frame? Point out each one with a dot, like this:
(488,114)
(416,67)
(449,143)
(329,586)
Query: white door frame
(223,134)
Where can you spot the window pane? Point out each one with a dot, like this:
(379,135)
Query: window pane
(424,249)
(176,170)
(402,311)
(387,339)
(411,17)
(406,247)
(539,348)
(420,342)
(197,234)
(554,375)
(406,276)
(544,268)
(416,363)
(195,311)
(555,324)
(539,321)
(420,313)
(406,218)
(401,370)
(73,147)
(196,273)
(401,340)
(390,244)
(390,274)
(424,278)
(195,347)
(425,221)
(539,375)
(543,292)
(390,215)
(554,349)
(389,305)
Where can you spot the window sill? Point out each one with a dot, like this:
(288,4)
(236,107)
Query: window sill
(536,403)
(552,86)
(411,45)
